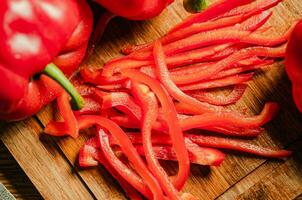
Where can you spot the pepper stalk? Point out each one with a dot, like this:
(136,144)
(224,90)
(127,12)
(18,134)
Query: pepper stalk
(56,74)
(195,6)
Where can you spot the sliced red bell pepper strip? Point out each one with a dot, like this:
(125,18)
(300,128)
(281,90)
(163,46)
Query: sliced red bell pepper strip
(91,155)
(191,69)
(95,77)
(88,153)
(193,29)
(163,75)
(128,122)
(128,49)
(123,102)
(229,130)
(171,119)
(215,142)
(220,100)
(223,36)
(91,107)
(229,61)
(127,148)
(251,24)
(200,155)
(127,173)
(293,64)
(149,105)
(70,124)
(239,70)
(221,119)
(142,57)
(252,8)
(223,82)
(213,11)
(130,191)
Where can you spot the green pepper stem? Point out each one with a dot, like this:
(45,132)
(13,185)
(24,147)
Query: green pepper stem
(195,6)
(55,73)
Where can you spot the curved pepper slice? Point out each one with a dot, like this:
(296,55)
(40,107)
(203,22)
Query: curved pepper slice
(220,100)
(91,155)
(215,142)
(128,149)
(149,106)
(171,118)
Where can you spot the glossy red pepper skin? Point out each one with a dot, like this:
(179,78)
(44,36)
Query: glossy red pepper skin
(215,142)
(135,9)
(293,64)
(149,105)
(28,43)
(171,118)
(86,121)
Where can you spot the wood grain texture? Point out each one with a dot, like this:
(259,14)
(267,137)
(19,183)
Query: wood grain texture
(14,179)
(47,169)
(240,176)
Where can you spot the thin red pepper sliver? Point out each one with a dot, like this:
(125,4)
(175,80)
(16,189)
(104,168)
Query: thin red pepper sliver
(123,102)
(207,73)
(195,28)
(221,119)
(195,68)
(130,191)
(70,124)
(127,148)
(218,83)
(171,118)
(223,36)
(143,56)
(229,130)
(251,24)
(127,173)
(220,100)
(200,156)
(89,152)
(215,142)
(252,8)
(242,69)
(149,107)
(163,75)
(91,155)
(213,11)
(95,77)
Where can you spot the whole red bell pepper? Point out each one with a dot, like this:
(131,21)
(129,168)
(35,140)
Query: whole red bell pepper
(135,9)
(32,34)
(293,63)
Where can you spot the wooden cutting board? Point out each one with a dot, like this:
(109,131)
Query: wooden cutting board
(50,163)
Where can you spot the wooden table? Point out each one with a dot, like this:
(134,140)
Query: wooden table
(50,163)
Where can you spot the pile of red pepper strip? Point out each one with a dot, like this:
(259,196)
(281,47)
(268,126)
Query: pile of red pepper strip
(144,103)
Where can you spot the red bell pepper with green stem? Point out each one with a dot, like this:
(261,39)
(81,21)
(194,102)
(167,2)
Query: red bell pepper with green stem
(28,44)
